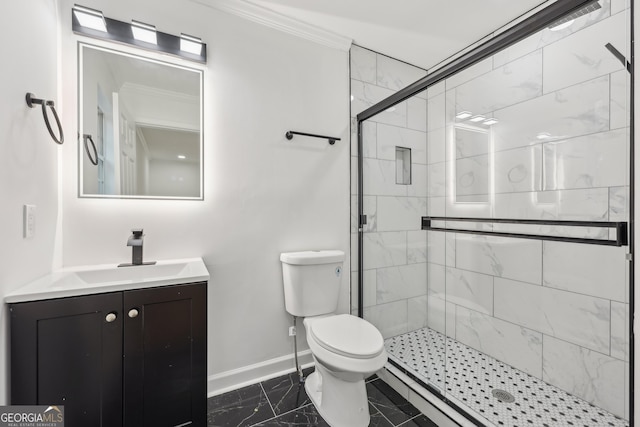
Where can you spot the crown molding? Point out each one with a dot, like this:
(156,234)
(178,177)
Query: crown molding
(269,18)
(140,90)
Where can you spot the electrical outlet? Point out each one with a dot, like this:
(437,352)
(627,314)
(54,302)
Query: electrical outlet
(292,331)
(28,221)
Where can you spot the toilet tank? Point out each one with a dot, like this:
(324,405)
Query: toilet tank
(311,281)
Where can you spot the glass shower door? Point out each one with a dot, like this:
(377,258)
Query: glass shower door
(511,299)
(395,254)
(533,188)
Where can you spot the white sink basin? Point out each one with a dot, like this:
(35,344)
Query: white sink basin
(94,279)
(134,273)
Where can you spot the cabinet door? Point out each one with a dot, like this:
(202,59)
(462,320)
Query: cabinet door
(65,352)
(165,356)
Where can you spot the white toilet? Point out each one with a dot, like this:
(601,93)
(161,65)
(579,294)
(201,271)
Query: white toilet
(346,348)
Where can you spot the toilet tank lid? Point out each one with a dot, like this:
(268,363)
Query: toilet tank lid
(312,257)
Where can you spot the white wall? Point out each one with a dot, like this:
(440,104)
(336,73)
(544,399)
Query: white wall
(168,177)
(28,156)
(263,194)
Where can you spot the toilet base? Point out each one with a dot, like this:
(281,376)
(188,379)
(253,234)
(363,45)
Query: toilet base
(340,403)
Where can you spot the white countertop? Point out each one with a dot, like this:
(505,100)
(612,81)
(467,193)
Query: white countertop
(98,279)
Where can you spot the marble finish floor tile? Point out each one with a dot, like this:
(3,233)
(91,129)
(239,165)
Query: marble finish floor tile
(469,377)
(392,405)
(304,416)
(286,393)
(377,419)
(283,401)
(243,407)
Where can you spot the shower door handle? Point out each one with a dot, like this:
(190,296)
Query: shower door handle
(425,222)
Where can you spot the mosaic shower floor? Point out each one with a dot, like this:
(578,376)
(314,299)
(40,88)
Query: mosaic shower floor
(471,376)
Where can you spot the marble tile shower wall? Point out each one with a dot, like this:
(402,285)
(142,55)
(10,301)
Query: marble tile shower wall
(558,311)
(395,270)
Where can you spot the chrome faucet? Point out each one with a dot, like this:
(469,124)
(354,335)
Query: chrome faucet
(136,241)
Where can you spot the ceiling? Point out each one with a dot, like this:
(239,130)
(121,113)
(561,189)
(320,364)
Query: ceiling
(420,32)
(137,70)
(168,144)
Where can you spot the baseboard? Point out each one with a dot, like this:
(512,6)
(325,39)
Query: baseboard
(252,374)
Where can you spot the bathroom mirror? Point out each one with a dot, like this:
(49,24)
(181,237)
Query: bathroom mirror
(140,126)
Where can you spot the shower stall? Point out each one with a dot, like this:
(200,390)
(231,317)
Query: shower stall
(493,227)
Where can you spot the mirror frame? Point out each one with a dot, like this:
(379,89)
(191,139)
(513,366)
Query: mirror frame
(151,57)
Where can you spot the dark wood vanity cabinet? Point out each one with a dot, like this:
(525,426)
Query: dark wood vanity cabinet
(165,357)
(132,358)
(64,352)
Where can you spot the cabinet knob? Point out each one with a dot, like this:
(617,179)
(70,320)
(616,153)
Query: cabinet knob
(111,317)
(133,313)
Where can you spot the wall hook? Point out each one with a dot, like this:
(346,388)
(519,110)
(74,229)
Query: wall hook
(331,139)
(31,100)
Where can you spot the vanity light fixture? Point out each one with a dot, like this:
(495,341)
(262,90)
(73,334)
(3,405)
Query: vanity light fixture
(463,115)
(144,32)
(90,18)
(477,119)
(190,44)
(92,23)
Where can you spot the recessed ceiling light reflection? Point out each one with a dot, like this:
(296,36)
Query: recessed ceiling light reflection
(477,119)
(182,156)
(543,135)
(463,115)
(490,121)
(561,26)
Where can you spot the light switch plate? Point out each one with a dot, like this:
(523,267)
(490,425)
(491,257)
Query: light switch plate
(28,221)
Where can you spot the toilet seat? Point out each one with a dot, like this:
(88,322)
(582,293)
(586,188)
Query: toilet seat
(348,336)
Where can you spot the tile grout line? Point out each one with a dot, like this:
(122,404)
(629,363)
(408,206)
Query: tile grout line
(268,400)
(380,412)
(281,415)
(409,420)
(551,287)
(565,340)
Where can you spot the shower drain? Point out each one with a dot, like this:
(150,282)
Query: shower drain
(503,396)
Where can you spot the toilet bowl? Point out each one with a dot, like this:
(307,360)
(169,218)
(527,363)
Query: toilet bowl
(346,349)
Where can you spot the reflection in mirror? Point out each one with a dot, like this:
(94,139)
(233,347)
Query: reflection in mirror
(144,117)
(471,164)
